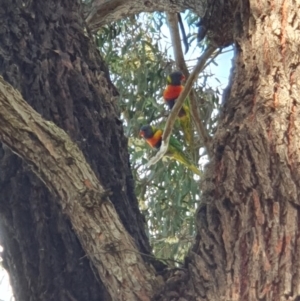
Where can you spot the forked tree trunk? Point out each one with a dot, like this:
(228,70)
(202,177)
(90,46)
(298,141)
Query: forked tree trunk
(247,245)
(46,54)
(248,240)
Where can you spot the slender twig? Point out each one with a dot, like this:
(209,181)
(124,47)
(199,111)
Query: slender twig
(178,104)
(176,42)
(180,62)
(222,51)
(199,124)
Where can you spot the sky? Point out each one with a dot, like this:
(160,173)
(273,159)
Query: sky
(221,71)
(5,288)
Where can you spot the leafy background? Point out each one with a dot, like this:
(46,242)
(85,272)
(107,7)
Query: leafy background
(139,54)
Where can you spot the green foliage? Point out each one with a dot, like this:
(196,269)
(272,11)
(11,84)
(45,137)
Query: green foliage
(168,193)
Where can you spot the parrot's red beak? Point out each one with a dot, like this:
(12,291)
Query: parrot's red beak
(142,134)
(183,78)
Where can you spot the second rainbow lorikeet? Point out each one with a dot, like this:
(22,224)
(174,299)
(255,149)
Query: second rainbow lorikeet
(153,137)
(170,94)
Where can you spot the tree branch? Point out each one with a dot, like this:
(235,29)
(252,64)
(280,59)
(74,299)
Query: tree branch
(60,164)
(180,62)
(178,104)
(219,25)
(176,42)
(100,12)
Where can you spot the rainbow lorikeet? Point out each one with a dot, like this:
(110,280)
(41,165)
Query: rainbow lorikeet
(153,137)
(170,94)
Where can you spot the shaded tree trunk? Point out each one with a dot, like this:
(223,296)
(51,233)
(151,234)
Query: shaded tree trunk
(60,164)
(47,55)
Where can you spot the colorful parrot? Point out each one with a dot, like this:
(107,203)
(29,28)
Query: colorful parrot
(170,94)
(153,137)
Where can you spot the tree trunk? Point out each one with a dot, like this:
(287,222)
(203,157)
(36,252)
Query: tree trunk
(46,54)
(247,245)
(59,163)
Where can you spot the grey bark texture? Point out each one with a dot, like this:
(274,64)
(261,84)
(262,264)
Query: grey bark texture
(58,162)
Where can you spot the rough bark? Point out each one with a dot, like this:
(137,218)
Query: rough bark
(46,54)
(216,15)
(62,167)
(247,245)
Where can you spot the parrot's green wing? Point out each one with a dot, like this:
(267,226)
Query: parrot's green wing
(175,152)
(175,144)
(186,125)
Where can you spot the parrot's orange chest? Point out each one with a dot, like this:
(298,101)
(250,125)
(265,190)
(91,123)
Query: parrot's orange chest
(172,92)
(155,140)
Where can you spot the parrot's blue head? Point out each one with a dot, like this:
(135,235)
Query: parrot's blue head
(175,78)
(147,131)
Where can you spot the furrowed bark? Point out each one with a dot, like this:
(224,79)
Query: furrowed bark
(59,163)
(248,228)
